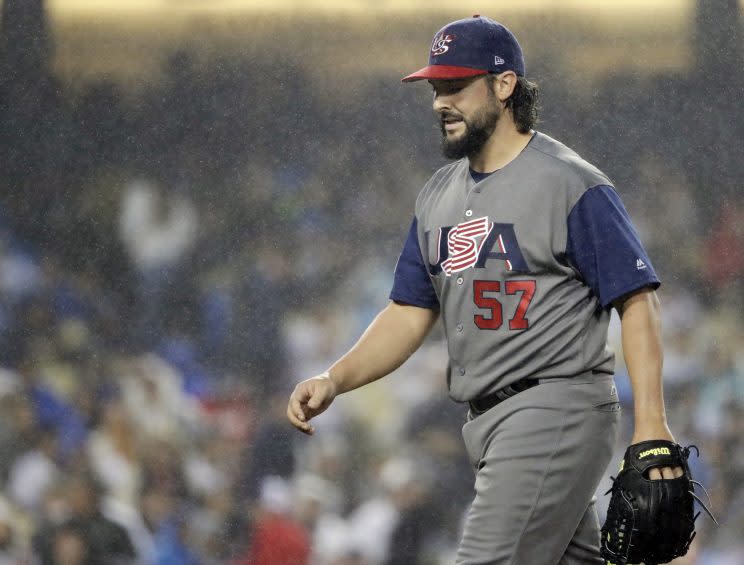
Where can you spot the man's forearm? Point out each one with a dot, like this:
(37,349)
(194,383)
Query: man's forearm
(388,341)
(642,348)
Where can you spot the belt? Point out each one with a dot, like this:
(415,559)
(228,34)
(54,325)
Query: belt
(484,403)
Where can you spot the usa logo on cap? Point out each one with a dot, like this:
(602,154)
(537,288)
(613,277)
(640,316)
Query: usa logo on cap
(440,44)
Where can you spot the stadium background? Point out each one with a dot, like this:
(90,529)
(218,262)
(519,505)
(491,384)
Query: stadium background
(201,203)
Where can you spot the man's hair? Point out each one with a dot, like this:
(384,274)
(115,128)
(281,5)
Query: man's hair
(522,103)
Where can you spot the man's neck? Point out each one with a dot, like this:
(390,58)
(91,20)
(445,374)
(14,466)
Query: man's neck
(501,148)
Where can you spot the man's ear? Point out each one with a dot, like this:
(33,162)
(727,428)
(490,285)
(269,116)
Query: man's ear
(503,85)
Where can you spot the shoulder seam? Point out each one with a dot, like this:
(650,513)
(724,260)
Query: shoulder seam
(554,156)
(451,165)
(568,165)
(432,185)
(587,190)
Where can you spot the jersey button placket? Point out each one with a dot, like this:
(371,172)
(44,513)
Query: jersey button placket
(460,327)
(460,280)
(468,213)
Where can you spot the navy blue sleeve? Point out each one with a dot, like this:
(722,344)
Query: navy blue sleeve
(605,248)
(412,284)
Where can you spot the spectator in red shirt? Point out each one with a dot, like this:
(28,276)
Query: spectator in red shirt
(277,538)
(724,249)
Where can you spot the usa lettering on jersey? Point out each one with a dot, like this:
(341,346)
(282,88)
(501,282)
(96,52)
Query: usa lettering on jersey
(471,244)
(462,245)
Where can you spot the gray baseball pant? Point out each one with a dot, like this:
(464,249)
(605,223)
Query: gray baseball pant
(538,458)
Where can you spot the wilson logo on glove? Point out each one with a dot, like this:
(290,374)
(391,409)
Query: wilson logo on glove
(655,451)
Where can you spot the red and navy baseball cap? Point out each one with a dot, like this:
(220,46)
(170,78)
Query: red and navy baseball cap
(471,47)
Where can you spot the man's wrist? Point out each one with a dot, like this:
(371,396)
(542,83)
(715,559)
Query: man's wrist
(649,414)
(656,429)
(651,419)
(327,375)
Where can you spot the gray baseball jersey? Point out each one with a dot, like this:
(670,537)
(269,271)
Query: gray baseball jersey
(524,266)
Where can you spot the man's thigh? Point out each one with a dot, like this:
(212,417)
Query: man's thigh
(584,546)
(538,458)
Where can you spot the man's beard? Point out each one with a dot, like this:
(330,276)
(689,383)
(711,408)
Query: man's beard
(477,131)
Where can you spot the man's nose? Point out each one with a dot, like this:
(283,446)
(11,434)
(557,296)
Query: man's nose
(441,102)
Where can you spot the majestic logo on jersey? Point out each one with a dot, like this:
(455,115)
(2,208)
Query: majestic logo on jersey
(472,243)
(440,45)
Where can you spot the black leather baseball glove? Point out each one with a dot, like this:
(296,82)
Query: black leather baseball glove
(650,521)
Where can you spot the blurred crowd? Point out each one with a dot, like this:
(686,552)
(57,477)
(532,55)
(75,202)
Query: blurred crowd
(171,265)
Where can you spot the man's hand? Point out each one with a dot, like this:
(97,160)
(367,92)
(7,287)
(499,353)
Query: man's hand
(660,431)
(389,340)
(310,398)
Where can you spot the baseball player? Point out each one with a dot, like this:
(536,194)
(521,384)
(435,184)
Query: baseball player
(522,248)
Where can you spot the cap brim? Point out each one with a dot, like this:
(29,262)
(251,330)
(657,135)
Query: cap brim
(443,72)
